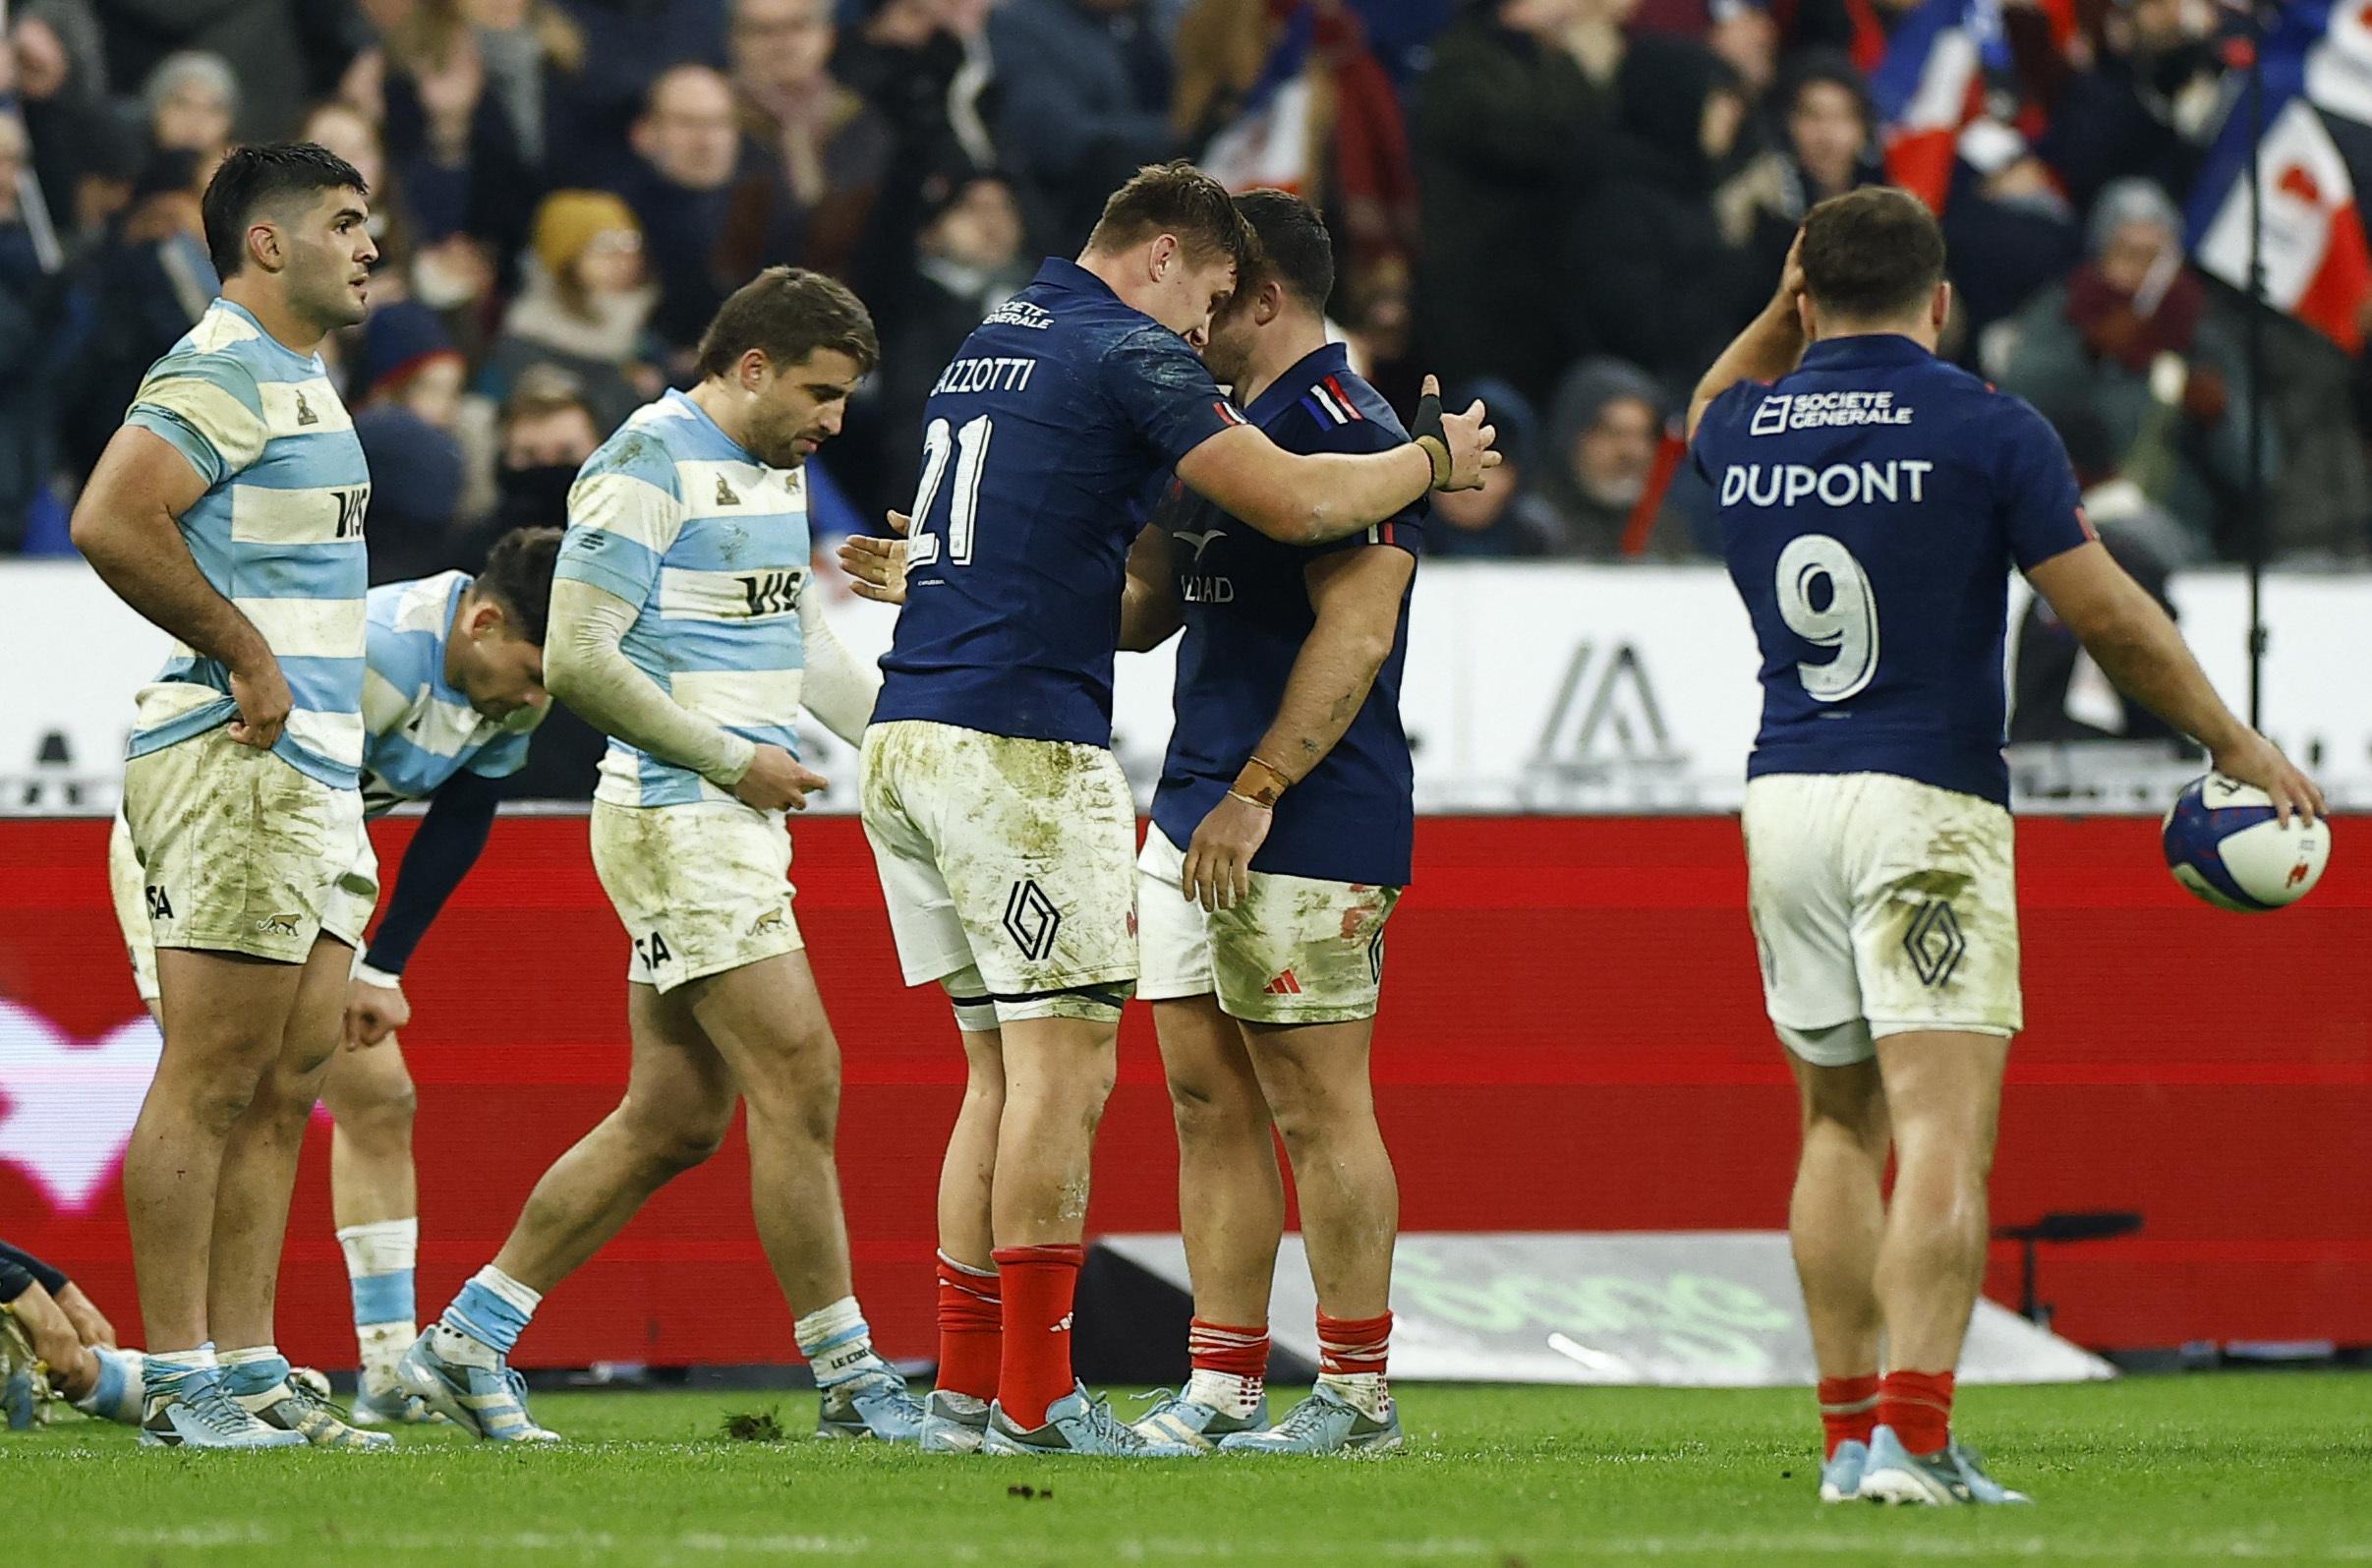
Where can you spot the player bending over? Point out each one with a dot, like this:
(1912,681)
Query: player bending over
(451,691)
(1002,822)
(54,1339)
(1873,499)
(1261,941)
(229,511)
(681,624)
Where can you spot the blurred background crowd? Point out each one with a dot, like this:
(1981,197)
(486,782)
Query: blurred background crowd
(1565,206)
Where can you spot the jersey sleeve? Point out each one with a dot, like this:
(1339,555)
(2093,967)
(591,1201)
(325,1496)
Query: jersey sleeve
(625,511)
(207,408)
(2035,493)
(1165,393)
(1719,414)
(1357,436)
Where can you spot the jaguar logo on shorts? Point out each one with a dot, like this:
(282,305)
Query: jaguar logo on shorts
(1934,943)
(277,925)
(1031,919)
(771,920)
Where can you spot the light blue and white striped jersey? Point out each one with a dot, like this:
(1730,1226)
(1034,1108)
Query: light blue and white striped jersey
(419,728)
(674,517)
(278,533)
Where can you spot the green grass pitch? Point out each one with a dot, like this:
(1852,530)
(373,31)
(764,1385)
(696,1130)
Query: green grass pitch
(2274,1467)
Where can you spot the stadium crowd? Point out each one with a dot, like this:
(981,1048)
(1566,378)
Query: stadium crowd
(1566,207)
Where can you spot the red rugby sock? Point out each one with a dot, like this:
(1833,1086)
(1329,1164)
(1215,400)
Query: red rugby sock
(971,1328)
(1849,1410)
(1919,1407)
(1034,1367)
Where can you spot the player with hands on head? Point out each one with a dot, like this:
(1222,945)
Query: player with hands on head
(1873,499)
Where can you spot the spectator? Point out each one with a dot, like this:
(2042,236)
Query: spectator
(1826,148)
(926,67)
(27,408)
(453,145)
(62,92)
(546,433)
(1503,518)
(521,42)
(1086,100)
(969,260)
(689,155)
(832,150)
(2145,106)
(585,306)
(133,295)
(589,110)
(350,134)
(192,99)
(2098,342)
(1650,221)
(408,384)
(283,53)
(1604,436)
(1507,130)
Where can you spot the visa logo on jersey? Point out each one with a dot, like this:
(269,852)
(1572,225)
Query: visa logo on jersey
(1836,484)
(1810,411)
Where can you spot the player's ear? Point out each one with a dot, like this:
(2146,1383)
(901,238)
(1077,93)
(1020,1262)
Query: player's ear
(1805,320)
(1940,309)
(1164,251)
(264,245)
(750,370)
(486,619)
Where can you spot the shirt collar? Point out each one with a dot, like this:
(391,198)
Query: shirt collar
(442,687)
(1055,272)
(1333,358)
(1863,349)
(691,407)
(221,302)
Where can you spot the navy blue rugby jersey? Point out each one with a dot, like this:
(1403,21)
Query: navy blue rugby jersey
(1040,440)
(1247,614)
(1873,505)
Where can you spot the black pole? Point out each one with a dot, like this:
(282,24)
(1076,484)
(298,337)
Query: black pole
(2255,503)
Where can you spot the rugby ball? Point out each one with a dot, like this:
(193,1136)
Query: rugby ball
(2223,842)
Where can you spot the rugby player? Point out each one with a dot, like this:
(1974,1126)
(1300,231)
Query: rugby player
(1002,824)
(1261,912)
(54,1339)
(229,511)
(682,626)
(451,691)
(1874,501)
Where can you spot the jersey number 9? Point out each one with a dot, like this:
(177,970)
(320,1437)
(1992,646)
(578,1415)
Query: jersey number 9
(1846,618)
(969,447)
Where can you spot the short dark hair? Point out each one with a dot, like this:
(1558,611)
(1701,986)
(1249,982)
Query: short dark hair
(254,177)
(1294,247)
(787,313)
(1872,254)
(1179,199)
(517,575)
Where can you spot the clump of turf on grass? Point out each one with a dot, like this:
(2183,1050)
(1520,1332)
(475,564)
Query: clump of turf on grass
(754,1427)
(1030,1493)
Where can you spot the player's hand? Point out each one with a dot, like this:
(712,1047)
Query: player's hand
(374,1012)
(1460,444)
(876,567)
(2255,760)
(776,782)
(90,1325)
(261,693)
(1791,278)
(1218,873)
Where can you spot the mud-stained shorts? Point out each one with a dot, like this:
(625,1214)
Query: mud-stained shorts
(700,887)
(229,850)
(1296,949)
(1012,858)
(1882,901)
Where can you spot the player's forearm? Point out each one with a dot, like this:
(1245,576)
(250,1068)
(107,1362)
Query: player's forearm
(839,688)
(2138,648)
(1330,681)
(137,551)
(1339,493)
(586,667)
(1149,610)
(451,836)
(1767,350)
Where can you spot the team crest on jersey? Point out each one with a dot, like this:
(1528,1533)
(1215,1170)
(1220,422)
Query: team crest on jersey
(725,493)
(305,413)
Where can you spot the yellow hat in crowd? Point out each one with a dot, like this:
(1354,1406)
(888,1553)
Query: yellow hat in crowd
(570,222)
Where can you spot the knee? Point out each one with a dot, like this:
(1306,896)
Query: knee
(800,1094)
(667,1145)
(1211,1111)
(383,1121)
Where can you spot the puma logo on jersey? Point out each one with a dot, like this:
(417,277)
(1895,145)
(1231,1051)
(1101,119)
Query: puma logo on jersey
(771,920)
(277,925)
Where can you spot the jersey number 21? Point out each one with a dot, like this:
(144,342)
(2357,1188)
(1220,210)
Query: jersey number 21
(969,447)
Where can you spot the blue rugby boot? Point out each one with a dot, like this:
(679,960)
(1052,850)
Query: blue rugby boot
(1201,1427)
(1324,1423)
(1078,1423)
(471,1384)
(1841,1474)
(1951,1478)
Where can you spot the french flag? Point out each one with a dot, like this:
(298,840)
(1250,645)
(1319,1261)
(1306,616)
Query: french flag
(2316,265)
(2334,42)
(1930,86)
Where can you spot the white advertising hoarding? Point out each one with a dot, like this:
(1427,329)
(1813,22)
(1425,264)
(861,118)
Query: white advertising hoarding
(1541,688)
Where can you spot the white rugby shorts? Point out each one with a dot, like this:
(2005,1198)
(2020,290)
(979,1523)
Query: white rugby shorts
(700,887)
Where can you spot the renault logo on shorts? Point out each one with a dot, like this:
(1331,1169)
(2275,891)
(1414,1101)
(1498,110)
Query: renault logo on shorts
(1934,943)
(1031,919)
